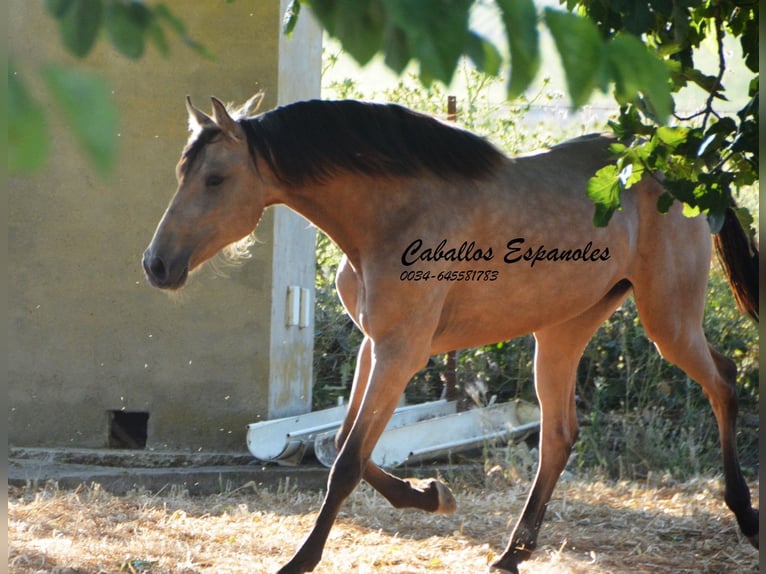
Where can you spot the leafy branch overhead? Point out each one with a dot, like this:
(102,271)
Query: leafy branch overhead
(81,97)
(644,51)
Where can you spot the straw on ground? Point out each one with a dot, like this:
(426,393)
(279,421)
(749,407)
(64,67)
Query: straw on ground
(592,526)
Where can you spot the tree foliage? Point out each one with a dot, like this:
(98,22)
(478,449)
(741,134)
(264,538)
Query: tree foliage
(704,156)
(82,98)
(644,51)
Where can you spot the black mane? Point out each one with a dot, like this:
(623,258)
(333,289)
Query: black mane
(311,141)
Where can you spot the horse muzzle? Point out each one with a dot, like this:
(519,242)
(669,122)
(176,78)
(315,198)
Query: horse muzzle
(165,274)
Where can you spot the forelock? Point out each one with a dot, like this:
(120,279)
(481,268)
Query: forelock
(194,147)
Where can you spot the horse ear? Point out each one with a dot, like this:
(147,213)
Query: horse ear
(251,106)
(197,118)
(223,119)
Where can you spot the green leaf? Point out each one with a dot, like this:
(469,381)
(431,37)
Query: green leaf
(637,18)
(57,8)
(126,24)
(290,19)
(27,129)
(631,173)
(662,7)
(617,148)
(745,218)
(520,19)
(79,26)
(582,53)
(749,43)
(672,136)
(604,189)
(84,101)
(437,42)
(706,143)
(397,49)
(164,14)
(682,189)
(691,211)
(627,79)
(664,202)
(358,25)
(629,124)
(602,215)
(483,54)
(708,83)
(156,35)
(635,71)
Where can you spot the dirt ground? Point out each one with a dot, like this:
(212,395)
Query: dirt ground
(591,526)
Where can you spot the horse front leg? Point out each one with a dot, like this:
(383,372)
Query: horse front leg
(391,367)
(557,354)
(555,383)
(430,495)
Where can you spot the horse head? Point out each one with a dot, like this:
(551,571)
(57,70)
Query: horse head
(219,199)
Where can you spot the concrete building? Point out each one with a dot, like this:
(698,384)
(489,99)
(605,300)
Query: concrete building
(97,358)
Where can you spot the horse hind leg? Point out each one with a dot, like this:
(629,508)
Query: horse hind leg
(737,493)
(674,324)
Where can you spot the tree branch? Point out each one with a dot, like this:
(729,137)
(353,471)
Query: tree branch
(708,111)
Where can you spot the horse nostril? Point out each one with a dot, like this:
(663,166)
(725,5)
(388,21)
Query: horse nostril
(155,268)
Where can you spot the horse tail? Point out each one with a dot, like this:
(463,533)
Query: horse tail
(738,253)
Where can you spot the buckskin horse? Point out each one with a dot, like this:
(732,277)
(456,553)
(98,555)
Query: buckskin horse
(449,244)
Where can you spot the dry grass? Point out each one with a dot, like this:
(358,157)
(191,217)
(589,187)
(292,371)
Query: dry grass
(591,526)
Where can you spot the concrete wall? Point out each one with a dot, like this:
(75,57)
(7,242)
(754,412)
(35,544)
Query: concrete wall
(87,334)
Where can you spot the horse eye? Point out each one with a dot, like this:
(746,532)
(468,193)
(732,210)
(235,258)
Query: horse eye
(213,180)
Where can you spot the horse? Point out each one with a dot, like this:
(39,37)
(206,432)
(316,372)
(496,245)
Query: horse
(449,244)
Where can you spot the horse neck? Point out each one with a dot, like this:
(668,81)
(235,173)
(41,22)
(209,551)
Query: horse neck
(349,208)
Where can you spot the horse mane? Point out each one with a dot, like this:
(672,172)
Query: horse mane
(311,141)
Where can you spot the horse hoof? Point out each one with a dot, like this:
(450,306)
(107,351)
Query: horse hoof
(749,527)
(497,569)
(446,501)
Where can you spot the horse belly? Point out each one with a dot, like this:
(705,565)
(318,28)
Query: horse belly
(520,302)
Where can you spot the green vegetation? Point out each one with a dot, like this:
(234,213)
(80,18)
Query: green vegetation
(638,413)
